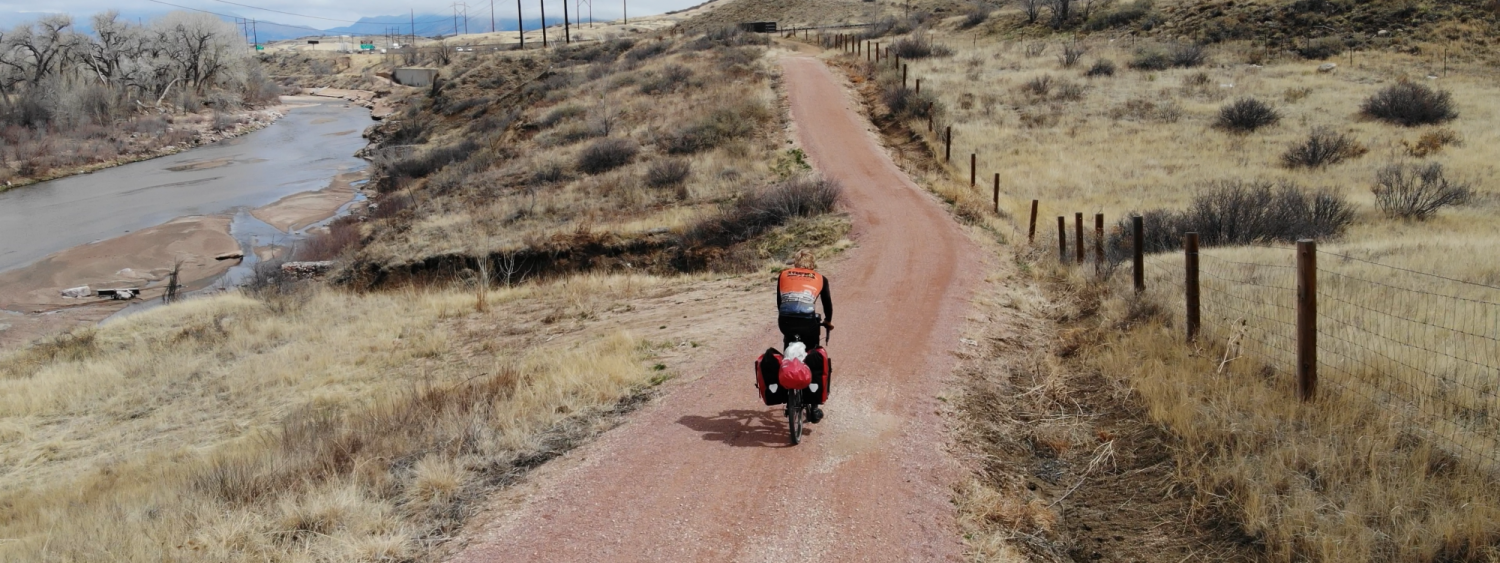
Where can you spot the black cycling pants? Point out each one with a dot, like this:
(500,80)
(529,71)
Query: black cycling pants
(804,329)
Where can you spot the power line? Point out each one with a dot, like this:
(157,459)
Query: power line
(231,17)
(356,22)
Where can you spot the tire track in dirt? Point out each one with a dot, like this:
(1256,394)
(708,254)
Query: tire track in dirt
(705,473)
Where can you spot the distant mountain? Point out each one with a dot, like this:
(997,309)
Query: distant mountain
(433,25)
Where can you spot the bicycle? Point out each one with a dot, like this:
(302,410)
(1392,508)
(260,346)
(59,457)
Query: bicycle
(796,412)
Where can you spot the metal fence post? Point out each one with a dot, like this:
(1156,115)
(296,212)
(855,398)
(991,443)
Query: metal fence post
(997,193)
(1098,244)
(1031,233)
(948,144)
(1062,239)
(1190,258)
(1307,319)
(1078,232)
(1137,242)
(973,162)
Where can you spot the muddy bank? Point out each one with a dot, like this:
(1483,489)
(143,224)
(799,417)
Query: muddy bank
(199,129)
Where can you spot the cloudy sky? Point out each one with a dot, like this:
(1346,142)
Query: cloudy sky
(337,13)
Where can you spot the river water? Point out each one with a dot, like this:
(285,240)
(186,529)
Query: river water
(299,153)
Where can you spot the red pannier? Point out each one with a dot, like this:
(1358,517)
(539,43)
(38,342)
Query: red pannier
(768,369)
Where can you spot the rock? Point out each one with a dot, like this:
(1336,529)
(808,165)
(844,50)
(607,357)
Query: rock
(78,292)
(231,256)
(1327,67)
(1383,33)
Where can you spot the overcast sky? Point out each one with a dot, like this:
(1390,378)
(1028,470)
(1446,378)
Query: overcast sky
(16,11)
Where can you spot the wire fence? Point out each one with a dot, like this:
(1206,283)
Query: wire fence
(1423,347)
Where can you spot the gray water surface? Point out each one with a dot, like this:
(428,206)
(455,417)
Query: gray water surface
(300,152)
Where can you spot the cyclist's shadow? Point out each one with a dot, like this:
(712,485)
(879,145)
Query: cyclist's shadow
(743,428)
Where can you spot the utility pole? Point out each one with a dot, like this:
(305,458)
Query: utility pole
(255,32)
(413,39)
(492,16)
(543,4)
(455,18)
(466,18)
(625,10)
(520,25)
(566,37)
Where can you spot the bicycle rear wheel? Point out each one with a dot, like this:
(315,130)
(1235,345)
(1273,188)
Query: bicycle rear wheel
(794,415)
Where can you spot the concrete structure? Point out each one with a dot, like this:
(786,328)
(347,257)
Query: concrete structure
(415,76)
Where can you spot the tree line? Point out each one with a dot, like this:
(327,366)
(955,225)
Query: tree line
(54,76)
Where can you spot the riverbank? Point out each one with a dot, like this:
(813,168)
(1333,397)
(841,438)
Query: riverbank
(143,142)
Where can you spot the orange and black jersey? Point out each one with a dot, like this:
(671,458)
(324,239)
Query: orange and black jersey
(798,290)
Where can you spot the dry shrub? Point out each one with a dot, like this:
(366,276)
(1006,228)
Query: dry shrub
(918,46)
(1432,142)
(1322,147)
(647,51)
(975,16)
(1410,104)
(343,235)
(721,125)
(1038,87)
(1144,109)
(907,103)
(1072,53)
(1236,212)
(1417,191)
(1102,67)
(670,79)
(1246,115)
(668,172)
(761,210)
(1177,55)
(605,155)
(560,114)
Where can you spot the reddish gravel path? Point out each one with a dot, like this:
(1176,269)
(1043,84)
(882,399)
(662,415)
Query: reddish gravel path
(705,475)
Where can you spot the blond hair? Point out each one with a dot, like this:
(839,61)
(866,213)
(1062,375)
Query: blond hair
(805,259)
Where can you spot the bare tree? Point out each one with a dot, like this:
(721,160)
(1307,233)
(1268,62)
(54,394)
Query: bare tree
(1033,9)
(37,50)
(1062,10)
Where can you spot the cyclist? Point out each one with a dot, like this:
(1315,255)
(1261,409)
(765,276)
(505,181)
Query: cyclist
(798,289)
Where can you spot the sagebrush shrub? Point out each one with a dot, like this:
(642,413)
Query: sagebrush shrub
(1417,191)
(668,172)
(907,103)
(1187,55)
(1238,212)
(1410,104)
(918,46)
(604,155)
(1246,115)
(1072,53)
(761,210)
(1322,147)
(1102,67)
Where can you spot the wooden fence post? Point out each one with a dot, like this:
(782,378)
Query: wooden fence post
(1307,319)
(1190,259)
(1137,241)
(1098,244)
(867,51)
(929,119)
(1031,233)
(997,193)
(1078,232)
(903,77)
(919,90)
(896,61)
(1062,239)
(948,144)
(973,164)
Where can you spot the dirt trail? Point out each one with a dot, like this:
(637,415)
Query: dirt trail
(705,474)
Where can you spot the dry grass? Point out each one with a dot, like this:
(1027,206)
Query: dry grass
(1404,402)
(524,190)
(317,426)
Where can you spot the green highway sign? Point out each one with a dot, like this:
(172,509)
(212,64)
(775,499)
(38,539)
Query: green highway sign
(260,47)
(367,46)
